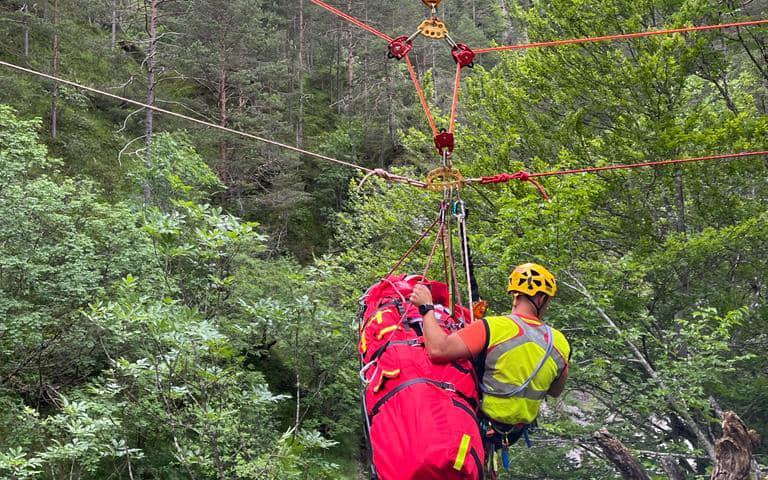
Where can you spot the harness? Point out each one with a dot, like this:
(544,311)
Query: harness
(497,436)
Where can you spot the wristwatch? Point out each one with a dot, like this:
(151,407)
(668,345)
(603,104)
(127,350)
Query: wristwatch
(423,309)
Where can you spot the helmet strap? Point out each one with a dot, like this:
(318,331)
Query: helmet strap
(540,305)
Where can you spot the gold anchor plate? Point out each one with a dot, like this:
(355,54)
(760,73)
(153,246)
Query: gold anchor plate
(444,177)
(433,28)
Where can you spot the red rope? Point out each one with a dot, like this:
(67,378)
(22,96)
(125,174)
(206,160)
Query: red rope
(434,249)
(505,177)
(624,36)
(445,263)
(530,177)
(352,20)
(415,245)
(422,97)
(455,103)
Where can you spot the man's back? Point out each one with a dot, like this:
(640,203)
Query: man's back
(518,366)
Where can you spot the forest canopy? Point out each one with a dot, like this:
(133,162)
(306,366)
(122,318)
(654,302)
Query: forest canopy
(179,302)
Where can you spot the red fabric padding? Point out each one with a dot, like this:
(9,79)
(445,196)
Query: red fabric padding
(419,411)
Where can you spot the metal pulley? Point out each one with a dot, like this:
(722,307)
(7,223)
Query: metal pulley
(431,3)
(463,55)
(399,47)
(444,142)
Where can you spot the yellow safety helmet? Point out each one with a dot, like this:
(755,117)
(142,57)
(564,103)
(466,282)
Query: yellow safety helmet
(530,279)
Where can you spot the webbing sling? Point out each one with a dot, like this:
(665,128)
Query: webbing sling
(515,391)
(447,386)
(414,342)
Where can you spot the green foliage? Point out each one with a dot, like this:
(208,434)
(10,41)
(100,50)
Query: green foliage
(168,372)
(60,248)
(173,171)
(148,332)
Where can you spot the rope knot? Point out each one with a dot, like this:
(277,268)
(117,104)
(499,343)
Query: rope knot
(522,176)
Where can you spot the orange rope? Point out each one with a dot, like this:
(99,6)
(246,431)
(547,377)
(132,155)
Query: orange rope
(648,164)
(434,249)
(455,104)
(352,20)
(624,36)
(422,97)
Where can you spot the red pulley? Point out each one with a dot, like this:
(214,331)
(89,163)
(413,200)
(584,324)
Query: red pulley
(463,55)
(444,141)
(399,47)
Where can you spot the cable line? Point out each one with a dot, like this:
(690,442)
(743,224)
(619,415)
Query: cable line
(623,36)
(378,172)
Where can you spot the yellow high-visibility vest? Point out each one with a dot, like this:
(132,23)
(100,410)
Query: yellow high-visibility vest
(522,360)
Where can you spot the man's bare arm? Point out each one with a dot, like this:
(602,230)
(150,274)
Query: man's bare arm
(441,347)
(557,387)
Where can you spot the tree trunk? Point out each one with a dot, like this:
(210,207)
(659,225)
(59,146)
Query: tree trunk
(55,67)
(113,37)
(26,39)
(300,75)
(672,469)
(338,71)
(222,100)
(25,20)
(151,66)
(621,458)
(733,451)
(674,404)
(350,64)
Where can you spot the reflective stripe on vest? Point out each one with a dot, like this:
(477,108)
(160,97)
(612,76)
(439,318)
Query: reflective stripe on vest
(544,338)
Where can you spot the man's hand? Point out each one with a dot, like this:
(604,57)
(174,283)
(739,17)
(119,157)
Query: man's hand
(421,295)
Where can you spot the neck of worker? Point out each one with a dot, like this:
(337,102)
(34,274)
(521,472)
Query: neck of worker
(523,307)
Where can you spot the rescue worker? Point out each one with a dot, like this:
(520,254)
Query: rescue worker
(519,358)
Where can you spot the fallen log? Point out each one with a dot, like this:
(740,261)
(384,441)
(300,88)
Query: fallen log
(620,456)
